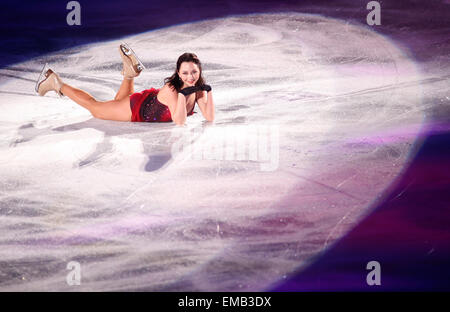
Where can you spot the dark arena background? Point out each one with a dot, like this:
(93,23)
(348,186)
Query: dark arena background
(342,183)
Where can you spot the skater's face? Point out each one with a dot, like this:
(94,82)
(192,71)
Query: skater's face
(189,73)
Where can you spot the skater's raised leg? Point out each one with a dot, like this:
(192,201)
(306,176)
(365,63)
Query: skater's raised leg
(131,68)
(117,109)
(126,89)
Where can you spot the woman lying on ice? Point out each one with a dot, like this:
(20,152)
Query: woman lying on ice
(173,102)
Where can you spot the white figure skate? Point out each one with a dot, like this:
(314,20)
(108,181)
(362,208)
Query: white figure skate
(132,66)
(48,81)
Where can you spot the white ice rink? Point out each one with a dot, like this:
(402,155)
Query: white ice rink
(328,112)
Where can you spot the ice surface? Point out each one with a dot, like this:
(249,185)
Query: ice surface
(137,206)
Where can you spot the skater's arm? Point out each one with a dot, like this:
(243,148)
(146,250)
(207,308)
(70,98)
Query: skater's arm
(179,115)
(206,103)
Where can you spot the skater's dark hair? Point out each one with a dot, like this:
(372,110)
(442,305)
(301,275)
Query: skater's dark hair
(175,80)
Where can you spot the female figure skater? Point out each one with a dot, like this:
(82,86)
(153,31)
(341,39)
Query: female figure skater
(173,102)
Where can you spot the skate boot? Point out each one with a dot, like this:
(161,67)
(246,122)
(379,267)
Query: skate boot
(48,81)
(132,66)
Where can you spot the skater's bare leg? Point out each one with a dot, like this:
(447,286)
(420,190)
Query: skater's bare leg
(126,88)
(118,110)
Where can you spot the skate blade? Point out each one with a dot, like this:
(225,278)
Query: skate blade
(129,52)
(41,77)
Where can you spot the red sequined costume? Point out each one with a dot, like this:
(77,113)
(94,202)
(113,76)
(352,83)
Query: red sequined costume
(145,107)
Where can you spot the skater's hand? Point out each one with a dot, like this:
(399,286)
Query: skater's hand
(205,87)
(188,90)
